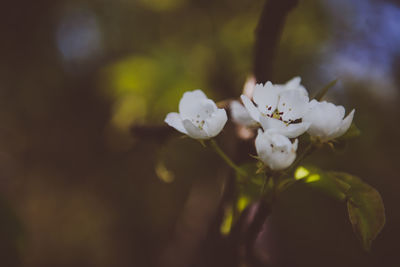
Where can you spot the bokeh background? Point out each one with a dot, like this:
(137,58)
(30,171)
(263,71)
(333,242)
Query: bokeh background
(78,188)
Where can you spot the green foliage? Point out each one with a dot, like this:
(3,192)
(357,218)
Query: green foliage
(364,203)
(322,182)
(365,207)
(321,93)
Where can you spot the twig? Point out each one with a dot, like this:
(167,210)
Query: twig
(227,159)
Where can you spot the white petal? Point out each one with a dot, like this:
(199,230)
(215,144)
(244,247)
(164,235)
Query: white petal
(214,125)
(248,88)
(190,103)
(266,97)
(202,111)
(174,120)
(295,144)
(263,146)
(194,131)
(240,114)
(280,140)
(293,104)
(312,104)
(293,84)
(251,108)
(296,129)
(345,125)
(270,123)
(261,142)
(292,130)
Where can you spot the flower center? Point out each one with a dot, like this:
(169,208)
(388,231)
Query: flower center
(200,119)
(278,115)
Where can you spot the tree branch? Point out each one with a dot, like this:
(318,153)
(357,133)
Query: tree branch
(268,32)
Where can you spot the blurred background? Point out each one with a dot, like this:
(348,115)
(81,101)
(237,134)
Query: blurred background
(77,188)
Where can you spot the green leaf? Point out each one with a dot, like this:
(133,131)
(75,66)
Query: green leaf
(320,94)
(322,182)
(364,203)
(365,208)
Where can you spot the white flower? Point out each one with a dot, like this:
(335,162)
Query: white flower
(326,120)
(198,116)
(279,107)
(293,84)
(275,150)
(240,115)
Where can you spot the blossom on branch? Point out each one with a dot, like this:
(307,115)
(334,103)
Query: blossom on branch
(279,107)
(327,120)
(275,150)
(198,116)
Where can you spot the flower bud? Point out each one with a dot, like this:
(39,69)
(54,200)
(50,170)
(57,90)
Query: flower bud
(275,150)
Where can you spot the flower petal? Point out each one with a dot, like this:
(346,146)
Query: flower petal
(292,130)
(296,129)
(190,103)
(214,125)
(294,84)
(268,123)
(295,144)
(251,108)
(174,120)
(293,104)
(194,131)
(345,125)
(240,114)
(266,97)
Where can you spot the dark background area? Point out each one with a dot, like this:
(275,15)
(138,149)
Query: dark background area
(78,188)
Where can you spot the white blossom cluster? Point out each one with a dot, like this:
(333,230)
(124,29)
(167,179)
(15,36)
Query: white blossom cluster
(283,111)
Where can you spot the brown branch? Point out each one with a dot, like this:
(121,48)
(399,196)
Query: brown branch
(268,32)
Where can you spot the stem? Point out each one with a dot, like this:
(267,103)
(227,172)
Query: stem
(226,158)
(309,149)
